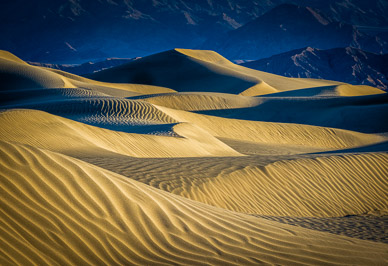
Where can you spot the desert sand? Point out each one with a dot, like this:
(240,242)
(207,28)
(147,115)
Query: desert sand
(183,157)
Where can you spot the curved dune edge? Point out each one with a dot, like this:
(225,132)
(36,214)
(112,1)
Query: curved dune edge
(55,133)
(58,210)
(275,133)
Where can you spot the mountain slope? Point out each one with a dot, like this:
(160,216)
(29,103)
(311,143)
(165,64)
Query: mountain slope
(348,65)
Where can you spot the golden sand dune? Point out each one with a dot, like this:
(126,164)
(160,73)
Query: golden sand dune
(63,211)
(189,70)
(177,163)
(180,72)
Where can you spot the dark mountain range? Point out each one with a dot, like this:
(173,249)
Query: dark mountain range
(88,67)
(68,30)
(289,27)
(75,31)
(348,65)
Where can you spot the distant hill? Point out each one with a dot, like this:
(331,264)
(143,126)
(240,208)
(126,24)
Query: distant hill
(86,68)
(75,31)
(348,65)
(288,27)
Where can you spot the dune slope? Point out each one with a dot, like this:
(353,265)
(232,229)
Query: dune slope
(113,220)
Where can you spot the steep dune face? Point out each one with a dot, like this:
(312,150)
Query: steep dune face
(73,213)
(180,72)
(96,173)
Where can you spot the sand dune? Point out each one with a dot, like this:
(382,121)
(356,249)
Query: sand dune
(189,160)
(314,186)
(58,134)
(318,187)
(188,70)
(73,213)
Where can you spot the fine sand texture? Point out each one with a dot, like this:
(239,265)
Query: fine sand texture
(184,158)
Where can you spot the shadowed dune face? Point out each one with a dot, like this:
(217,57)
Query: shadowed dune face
(180,72)
(184,158)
